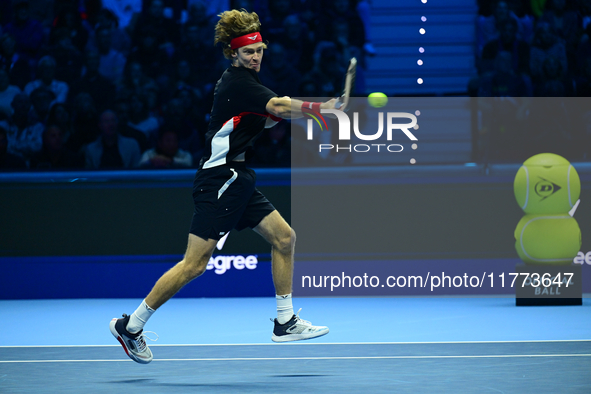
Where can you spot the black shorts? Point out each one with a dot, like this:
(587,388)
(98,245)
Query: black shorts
(226,198)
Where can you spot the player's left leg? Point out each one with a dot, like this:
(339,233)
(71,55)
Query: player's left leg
(288,326)
(128,330)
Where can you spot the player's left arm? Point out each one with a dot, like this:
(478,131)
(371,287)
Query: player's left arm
(290,108)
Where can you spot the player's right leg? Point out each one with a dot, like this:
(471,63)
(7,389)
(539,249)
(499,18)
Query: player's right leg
(288,326)
(193,265)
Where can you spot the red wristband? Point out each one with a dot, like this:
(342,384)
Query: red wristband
(308,107)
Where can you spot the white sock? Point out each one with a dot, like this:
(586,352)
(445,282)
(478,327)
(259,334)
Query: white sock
(139,318)
(284,308)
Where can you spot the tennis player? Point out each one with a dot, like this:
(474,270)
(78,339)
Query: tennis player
(224,189)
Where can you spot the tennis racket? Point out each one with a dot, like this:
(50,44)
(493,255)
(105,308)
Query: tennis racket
(343,101)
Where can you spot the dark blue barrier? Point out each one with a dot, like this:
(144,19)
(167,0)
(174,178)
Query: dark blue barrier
(87,234)
(267,176)
(122,277)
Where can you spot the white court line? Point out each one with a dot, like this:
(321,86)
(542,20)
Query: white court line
(307,358)
(308,343)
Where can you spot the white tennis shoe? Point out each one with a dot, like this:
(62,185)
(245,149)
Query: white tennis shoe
(134,344)
(296,329)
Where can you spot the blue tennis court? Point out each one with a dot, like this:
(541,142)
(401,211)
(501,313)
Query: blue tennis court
(215,336)
(223,345)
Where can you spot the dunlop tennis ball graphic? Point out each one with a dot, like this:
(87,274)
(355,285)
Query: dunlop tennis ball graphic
(546,184)
(547,239)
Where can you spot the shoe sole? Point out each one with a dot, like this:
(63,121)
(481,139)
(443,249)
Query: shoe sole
(297,337)
(122,342)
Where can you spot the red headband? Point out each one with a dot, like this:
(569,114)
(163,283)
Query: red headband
(246,39)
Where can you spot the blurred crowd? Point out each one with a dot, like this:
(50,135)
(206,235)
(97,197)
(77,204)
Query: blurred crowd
(527,50)
(129,83)
(533,48)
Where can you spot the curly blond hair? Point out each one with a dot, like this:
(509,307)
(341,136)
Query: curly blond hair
(234,24)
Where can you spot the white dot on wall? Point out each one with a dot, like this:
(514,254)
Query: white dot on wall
(424,18)
(420,81)
(414,146)
(422,31)
(421,49)
(416,127)
(417,112)
(420,62)
(412,161)
(424,1)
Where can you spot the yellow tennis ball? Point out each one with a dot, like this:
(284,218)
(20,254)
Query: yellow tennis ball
(547,239)
(546,183)
(377,99)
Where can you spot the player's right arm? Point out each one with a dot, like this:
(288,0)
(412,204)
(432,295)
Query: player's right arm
(290,108)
